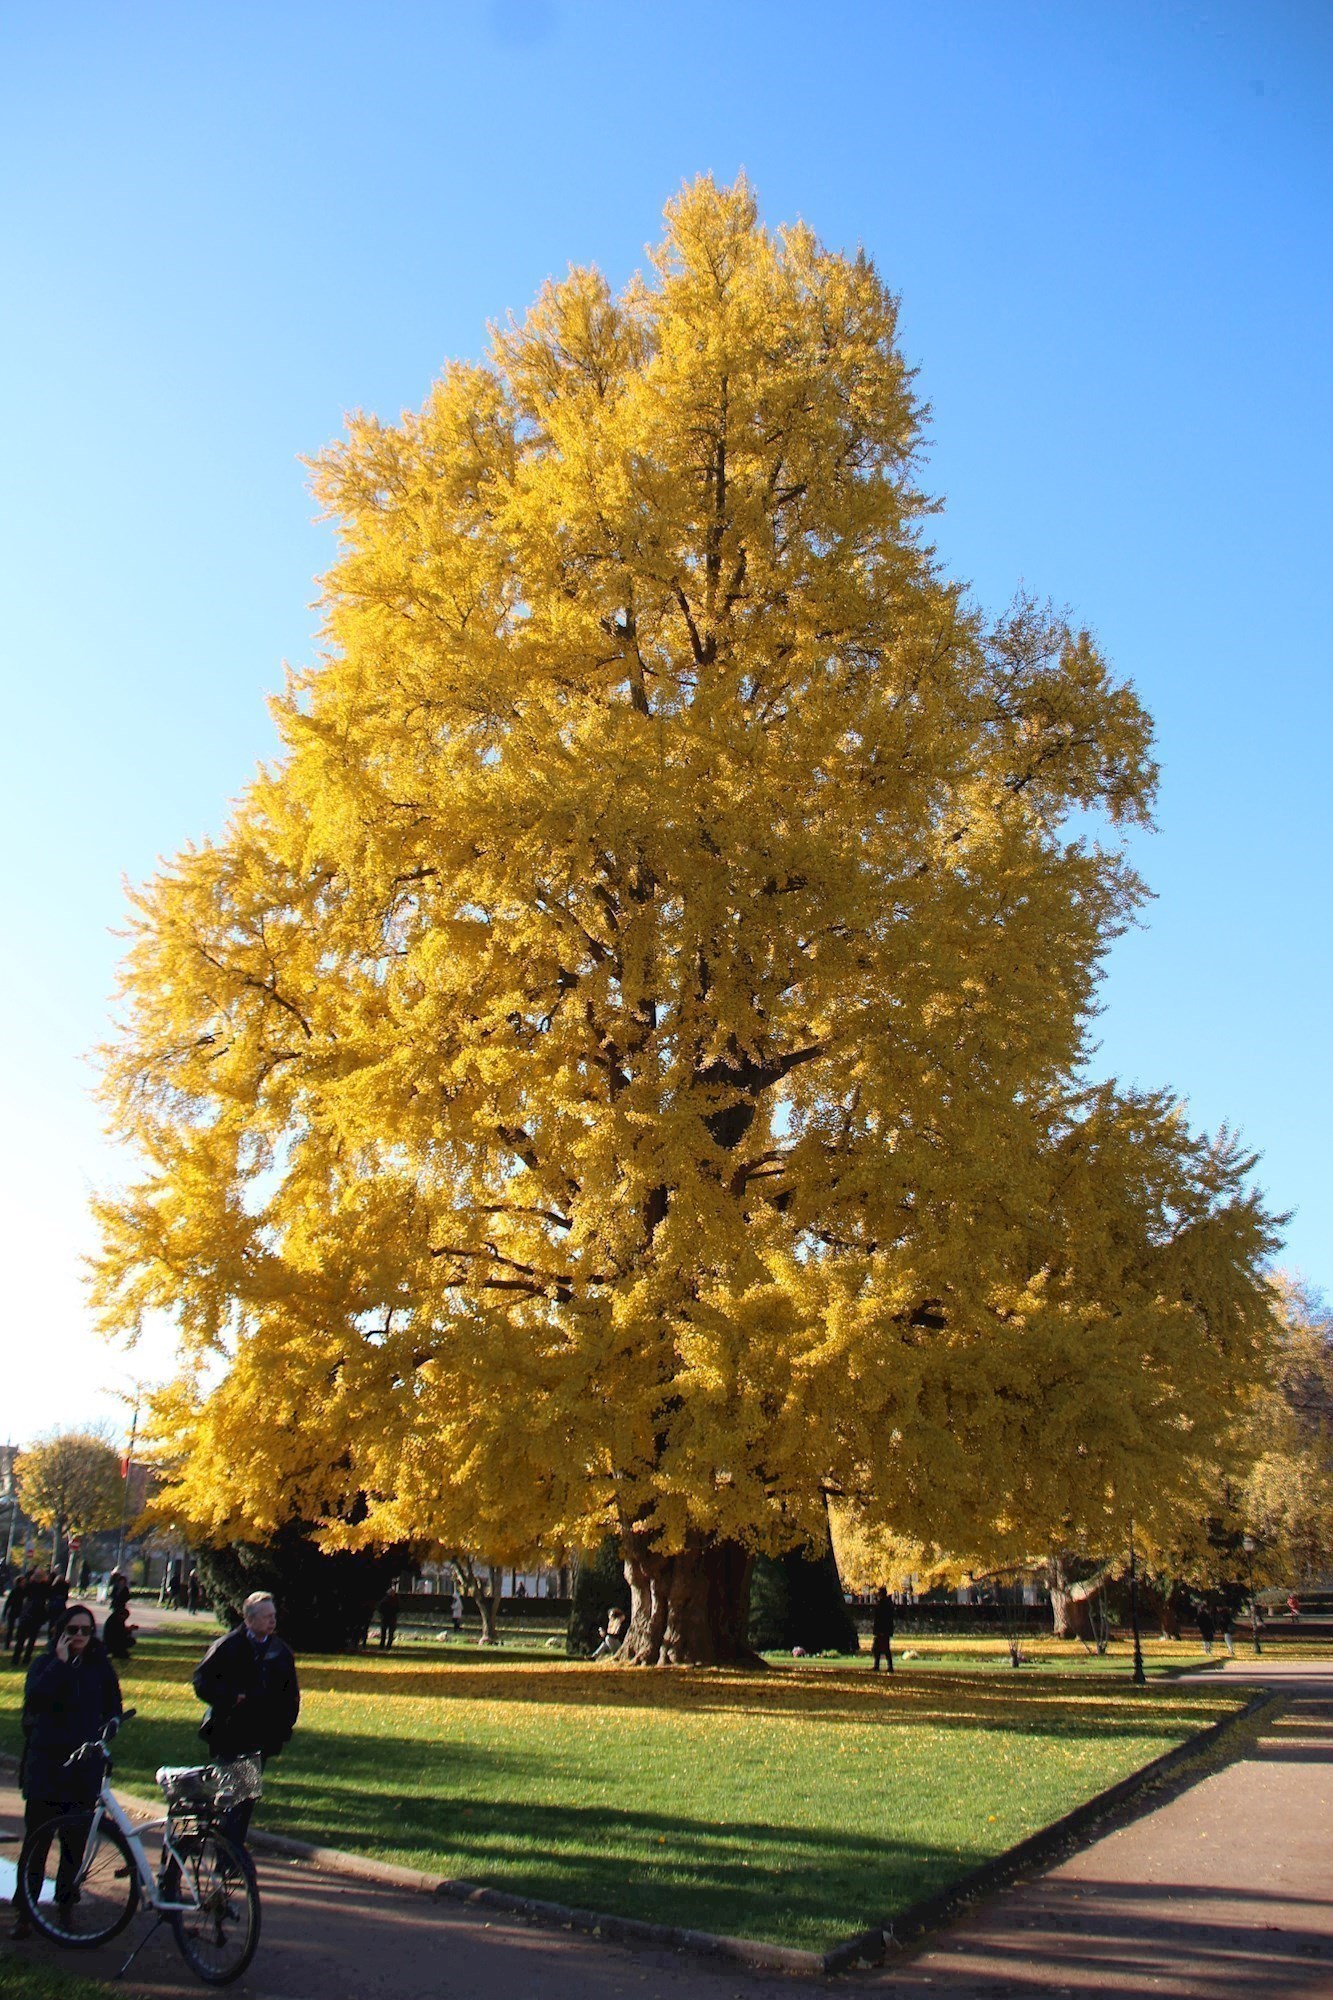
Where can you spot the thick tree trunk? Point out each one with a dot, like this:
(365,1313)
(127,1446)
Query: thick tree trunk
(1069,1614)
(688,1609)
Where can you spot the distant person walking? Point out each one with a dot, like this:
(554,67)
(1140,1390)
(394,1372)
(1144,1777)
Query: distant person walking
(248,1679)
(387,1614)
(57,1598)
(881,1630)
(31,1618)
(1224,1622)
(1206,1627)
(18,1590)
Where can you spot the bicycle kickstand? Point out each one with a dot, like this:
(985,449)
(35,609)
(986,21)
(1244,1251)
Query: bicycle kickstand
(152,1931)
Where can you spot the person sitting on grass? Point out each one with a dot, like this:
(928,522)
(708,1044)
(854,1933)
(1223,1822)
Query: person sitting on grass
(118,1633)
(613,1635)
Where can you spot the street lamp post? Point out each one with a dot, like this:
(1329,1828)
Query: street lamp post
(1139,1676)
(129,1468)
(1249,1547)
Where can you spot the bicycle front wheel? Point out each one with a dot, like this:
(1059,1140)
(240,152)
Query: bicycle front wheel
(77,1880)
(218,1933)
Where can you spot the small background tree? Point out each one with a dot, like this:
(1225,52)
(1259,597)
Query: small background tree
(479,1582)
(70,1483)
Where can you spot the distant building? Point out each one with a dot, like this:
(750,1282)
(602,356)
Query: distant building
(139,1487)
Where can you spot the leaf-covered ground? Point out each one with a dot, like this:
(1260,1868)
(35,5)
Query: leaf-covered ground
(797,1804)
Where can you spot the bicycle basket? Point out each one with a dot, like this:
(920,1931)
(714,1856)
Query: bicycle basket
(195,1786)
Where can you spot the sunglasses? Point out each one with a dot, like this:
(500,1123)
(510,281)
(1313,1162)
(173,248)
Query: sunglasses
(78,1631)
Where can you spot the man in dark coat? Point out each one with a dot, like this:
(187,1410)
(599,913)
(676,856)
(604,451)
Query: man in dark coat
(881,1629)
(70,1695)
(249,1681)
(387,1613)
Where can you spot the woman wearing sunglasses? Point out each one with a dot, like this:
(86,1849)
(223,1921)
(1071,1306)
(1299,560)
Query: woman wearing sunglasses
(70,1695)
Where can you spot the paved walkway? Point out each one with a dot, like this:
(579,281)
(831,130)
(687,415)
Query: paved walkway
(1226,1890)
(1223,1891)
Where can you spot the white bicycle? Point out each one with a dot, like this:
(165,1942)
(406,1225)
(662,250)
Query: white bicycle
(83,1873)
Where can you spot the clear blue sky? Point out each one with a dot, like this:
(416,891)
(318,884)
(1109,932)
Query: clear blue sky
(222,227)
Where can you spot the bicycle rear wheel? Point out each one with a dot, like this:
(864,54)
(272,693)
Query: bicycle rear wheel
(218,1935)
(77,1880)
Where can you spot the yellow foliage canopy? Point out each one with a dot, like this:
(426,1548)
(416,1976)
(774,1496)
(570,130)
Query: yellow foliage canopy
(618,1068)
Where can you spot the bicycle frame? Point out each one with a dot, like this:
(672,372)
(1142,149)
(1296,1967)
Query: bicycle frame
(108,1806)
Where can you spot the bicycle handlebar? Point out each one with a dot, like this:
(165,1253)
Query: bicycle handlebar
(101,1744)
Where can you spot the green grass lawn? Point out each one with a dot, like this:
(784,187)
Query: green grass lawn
(797,1804)
(20,1979)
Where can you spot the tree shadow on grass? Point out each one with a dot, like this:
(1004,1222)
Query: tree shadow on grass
(752,1877)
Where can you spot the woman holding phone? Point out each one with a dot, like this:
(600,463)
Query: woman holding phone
(70,1695)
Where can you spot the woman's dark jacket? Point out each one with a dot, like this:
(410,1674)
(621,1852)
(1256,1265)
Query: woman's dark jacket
(65,1703)
(266,1676)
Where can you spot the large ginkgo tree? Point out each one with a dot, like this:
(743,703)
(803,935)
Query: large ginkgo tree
(620,1067)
